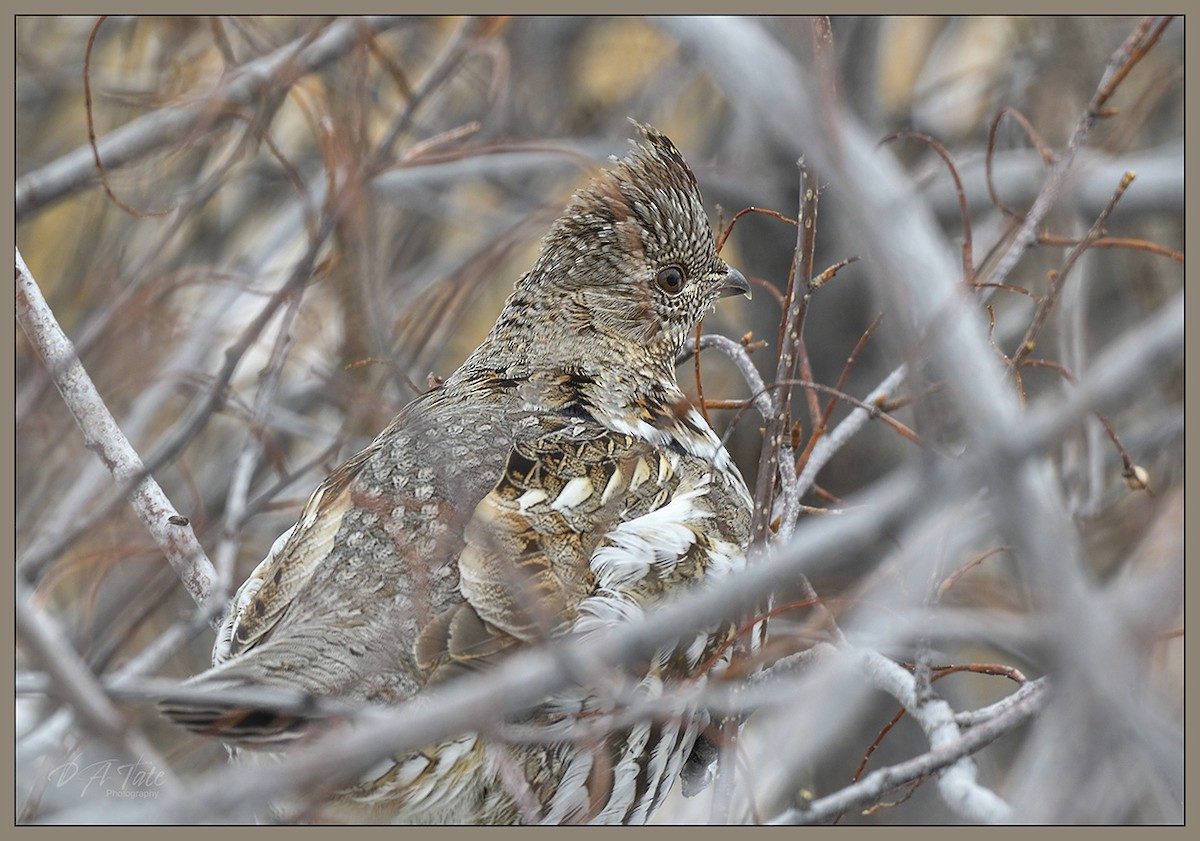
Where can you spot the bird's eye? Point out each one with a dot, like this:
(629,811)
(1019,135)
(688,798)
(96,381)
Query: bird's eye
(670,280)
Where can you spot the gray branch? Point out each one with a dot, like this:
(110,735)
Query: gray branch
(103,436)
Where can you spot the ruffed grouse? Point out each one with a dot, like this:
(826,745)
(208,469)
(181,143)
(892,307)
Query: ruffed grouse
(558,482)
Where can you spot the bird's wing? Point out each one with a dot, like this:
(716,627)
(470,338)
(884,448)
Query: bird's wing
(582,521)
(269,591)
(582,525)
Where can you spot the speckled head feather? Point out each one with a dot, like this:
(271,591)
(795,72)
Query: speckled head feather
(631,265)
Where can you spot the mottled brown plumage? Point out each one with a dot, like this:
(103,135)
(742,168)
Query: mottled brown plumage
(557,482)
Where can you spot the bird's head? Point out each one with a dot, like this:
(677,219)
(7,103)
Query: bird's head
(632,257)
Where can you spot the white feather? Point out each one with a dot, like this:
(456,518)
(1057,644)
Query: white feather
(530,498)
(660,537)
(573,493)
(243,597)
(571,795)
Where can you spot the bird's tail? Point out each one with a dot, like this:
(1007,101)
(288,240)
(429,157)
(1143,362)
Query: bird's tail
(252,715)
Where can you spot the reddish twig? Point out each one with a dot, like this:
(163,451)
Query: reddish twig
(1008,288)
(951,579)
(968,264)
(939,672)
(91,129)
(699,382)
(1131,51)
(1043,150)
(724,235)
(873,410)
(1115,242)
(790,328)
(851,361)
(1051,297)
(1133,474)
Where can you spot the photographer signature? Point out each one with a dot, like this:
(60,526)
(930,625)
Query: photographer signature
(118,779)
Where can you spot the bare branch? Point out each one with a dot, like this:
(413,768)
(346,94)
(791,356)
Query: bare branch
(278,70)
(1119,64)
(837,438)
(103,436)
(1019,707)
(378,193)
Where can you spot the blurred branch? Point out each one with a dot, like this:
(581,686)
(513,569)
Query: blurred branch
(1120,369)
(36,557)
(447,62)
(251,452)
(257,78)
(1160,182)
(914,274)
(1085,592)
(1131,51)
(957,781)
(71,679)
(334,203)
(995,721)
(475,700)
(134,688)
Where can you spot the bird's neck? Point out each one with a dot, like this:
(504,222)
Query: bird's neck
(559,351)
(638,397)
(608,382)
(614,366)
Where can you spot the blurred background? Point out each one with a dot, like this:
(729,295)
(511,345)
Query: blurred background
(453,144)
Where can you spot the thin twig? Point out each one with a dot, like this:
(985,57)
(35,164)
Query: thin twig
(965,211)
(279,69)
(941,756)
(1028,342)
(201,412)
(771,462)
(1115,242)
(830,443)
(247,460)
(1131,51)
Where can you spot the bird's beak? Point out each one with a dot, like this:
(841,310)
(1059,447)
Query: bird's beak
(735,283)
